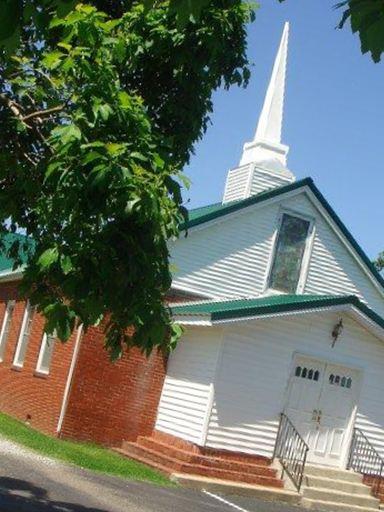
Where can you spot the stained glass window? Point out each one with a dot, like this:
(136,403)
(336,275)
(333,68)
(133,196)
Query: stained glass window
(290,247)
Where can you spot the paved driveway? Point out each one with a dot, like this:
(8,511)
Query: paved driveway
(31,483)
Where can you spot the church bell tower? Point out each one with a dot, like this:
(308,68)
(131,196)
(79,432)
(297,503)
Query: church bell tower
(263,164)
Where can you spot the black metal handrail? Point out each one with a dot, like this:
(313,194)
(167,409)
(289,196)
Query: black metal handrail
(291,450)
(365,459)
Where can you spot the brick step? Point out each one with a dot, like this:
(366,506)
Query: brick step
(171,465)
(162,469)
(379,495)
(259,466)
(376,487)
(169,441)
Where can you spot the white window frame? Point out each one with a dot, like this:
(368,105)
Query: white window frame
(306,255)
(29,310)
(44,345)
(10,306)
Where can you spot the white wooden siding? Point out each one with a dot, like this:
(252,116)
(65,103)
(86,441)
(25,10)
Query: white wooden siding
(183,409)
(255,366)
(264,180)
(237,183)
(230,258)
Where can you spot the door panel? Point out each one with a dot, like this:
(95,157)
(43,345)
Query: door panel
(321,399)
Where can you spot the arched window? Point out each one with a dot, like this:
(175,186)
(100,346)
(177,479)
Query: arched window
(307,373)
(342,381)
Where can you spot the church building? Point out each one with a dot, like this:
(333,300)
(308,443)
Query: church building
(280,370)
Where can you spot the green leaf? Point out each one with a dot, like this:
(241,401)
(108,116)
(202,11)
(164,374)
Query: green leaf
(138,156)
(66,264)
(115,149)
(52,59)
(66,134)
(125,99)
(48,258)
(105,111)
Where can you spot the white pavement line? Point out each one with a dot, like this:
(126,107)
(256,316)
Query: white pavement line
(219,498)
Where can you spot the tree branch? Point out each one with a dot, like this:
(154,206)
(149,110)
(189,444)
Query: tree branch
(13,106)
(40,113)
(16,110)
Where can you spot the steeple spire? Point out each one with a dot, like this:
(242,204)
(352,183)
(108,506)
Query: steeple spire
(263,164)
(266,144)
(271,118)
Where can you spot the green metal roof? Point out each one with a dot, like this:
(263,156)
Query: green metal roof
(217,210)
(7,263)
(240,308)
(198,213)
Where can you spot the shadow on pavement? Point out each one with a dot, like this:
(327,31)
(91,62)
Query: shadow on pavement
(22,496)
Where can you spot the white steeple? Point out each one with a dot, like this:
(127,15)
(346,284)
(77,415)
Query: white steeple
(264,159)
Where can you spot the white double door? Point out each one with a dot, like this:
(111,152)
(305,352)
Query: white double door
(321,402)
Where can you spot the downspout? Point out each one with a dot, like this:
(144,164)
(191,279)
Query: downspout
(69,380)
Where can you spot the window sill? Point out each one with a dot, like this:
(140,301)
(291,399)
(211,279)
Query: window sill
(271,291)
(16,368)
(40,375)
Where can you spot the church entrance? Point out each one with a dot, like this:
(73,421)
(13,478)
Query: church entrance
(321,404)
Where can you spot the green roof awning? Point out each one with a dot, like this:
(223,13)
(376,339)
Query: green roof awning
(273,304)
(6,264)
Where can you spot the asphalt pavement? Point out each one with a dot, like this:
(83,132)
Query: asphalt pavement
(33,483)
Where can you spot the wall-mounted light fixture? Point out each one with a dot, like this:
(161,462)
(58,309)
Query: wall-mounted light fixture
(336,331)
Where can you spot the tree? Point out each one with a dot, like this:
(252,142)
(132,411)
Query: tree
(99,112)
(367,19)
(379,262)
(15,15)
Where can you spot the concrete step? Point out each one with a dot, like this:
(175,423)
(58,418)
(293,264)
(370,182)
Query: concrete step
(266,476)
(339,485)
(333,496)
(334,506)
(333,473)
(236,488)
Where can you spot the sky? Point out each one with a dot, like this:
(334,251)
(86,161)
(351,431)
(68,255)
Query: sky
(333,116)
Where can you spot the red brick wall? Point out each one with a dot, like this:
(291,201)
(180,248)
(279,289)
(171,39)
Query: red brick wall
(108,402)
(112,402)
(25,394)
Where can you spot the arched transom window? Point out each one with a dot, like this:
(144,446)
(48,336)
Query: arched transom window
(305,372)
(340,380)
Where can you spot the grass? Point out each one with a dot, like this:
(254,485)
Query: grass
(84,455)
